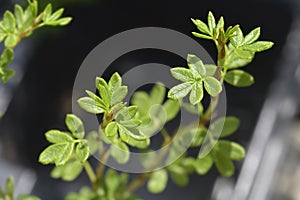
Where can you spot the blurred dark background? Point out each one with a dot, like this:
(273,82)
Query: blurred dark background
(43,96)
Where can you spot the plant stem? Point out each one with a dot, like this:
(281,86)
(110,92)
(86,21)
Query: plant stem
(138,182)
(90,172)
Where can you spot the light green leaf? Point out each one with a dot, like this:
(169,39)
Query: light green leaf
(105,95)
(93,142)
(10,186)
(243,53)
(112,181)
(120,152)
(210,69)
(114,82)
(157,93)
(118,94)
(99,101)
(158,181)
(90,105)
(235,61)
(232,150)
(47,12)
(199,136)
(141,144)
(258,46)
(197,93)
(56,136)
(68,172)
(111,129)
(201,26)
(56,15)
(75,125)
(225,126)
(7,74)
(179,175)
(64,21)
(211,22)
(219,27)
(172,108)
(100,82)
(11,40)
(9,22)
(212,86)
(57,153)
(132,132)
(196,64)
(133,123)
(184,74)
(252,36)
(239,78)
(224,164)
(19,15)
(82,151)
(179,91)
(238,37)
(203,165)
(202,36)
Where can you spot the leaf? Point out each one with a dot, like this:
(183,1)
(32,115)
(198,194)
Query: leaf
(142,144)
(201,26)
(238,37)
(235,61)
(56,15)
(9,22)
(11,41)
(93,142)
(19,15)
(105,96)
(199,136)
(196,64)
(111,129)
(47,12)
(114,82)
(210,69)
(7,74)
(157,93)
(202,36)
(112,181)
(158,181)
(82,151)
(68,172)
(239,78)
(134,133)
(56,136)
(90,105)
(197,93)
(172,108)
(224,164)
(63,21)
(183,74)
(57,153)
(178,175)
(258,46)
(232,150)
(99,101)
(120,152)
(75,125)
(203,165)
(211,22)
(219,27)
(212,86)
(119,94)
(252,36)
(10,186)
(179,91)
(243,53)
(225,126)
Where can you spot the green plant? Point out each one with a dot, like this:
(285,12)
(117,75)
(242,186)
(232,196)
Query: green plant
(21,24)
(124,126)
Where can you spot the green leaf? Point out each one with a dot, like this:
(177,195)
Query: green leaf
(202,36)
(105,96)
(9,22)
(64,21)
(179,91)
(238,37)
(82,151)
(7,74)
(212,86)
(224,164)
(57,153)
(232,150)
(183,74)
(203,165)
(11,41)
(75,125)
(93,142)
(252,36)
(197,93)
(114,82)
(199,136)
(157,93)
(142,144)
(219,27)
(111,129)
(172,108)
(120,152)
(69,171)
(90,105)
(225,126)
(119,94)
(179,175)
(99,101)
(258,46)
(56,15)
(239,78)
(201,26)
(134,133)
(47,12)
(10,186)
(235,60)
(133,123)
(158,181)
(243,54)
(196,64)
(56,136)
(211,22)
(112,181)
(210,69)
(19,15)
